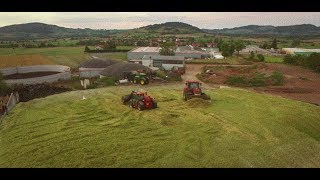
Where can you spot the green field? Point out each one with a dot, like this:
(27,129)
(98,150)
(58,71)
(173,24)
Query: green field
(272,59)
(114,55)
(238,129)
(70,56)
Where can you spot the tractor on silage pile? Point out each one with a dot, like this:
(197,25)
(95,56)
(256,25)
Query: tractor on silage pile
(193,90)
(139,100)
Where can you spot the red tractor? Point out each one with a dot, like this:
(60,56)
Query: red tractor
(193,90)
(139,100)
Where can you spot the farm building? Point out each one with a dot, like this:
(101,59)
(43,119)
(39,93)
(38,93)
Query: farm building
(185,51)
(139,52)
(93,67)
(190,52)
(161,62)
(300,51)
(117,70)
(252,48)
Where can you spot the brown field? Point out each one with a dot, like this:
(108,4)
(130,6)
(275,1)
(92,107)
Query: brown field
(23,60)
(299,83)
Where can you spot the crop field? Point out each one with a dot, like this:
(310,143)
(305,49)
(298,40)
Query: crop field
(237,129)
(272,59)
(69,56)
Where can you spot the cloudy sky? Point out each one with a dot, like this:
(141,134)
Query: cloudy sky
(128,20)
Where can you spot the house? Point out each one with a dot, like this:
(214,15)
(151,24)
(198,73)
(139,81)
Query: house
(161,62)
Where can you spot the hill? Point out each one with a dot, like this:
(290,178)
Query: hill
(238,129)
(294,30)
(169,28)
(41,30)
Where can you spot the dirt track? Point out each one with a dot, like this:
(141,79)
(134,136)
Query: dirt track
(193,69)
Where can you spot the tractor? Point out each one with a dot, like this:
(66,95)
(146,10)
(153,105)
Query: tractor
(193,90)
(134,77)
(139,100)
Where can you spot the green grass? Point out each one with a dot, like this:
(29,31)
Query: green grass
(272,59)
(70,56)
(114,55)
(238,129)
(125,47)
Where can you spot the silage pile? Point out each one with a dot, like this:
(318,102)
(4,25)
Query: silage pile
(98,63)
(117,70)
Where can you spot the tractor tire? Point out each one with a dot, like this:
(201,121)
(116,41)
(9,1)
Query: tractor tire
(142,82)
(125,99)
(130,104)
(154,104)
(117,83)
(185,97)
(140,106)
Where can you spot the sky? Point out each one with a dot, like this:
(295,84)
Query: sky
(129,20)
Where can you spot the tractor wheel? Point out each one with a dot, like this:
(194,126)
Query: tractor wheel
(123,99)
(131,104)
(117,83)
(140,106)
(154,104)
(185,97)
(142,82)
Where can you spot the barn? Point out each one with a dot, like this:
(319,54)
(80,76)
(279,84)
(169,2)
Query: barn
(161,62)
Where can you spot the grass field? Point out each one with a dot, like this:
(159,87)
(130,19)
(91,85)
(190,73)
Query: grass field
(122,56)
(70,56)
(238,129)
(272,59)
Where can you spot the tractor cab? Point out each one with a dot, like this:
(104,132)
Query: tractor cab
(192,90)
(193,87)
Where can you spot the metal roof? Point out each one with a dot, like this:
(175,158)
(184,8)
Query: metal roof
(159,57)
(146,49)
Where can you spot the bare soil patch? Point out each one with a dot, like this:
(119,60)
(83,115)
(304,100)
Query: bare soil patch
(299,83)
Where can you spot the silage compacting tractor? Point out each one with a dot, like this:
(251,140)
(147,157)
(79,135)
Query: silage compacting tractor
(193,90)
(133,77)
(139,100)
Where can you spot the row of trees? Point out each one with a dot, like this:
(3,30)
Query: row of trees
(311,61)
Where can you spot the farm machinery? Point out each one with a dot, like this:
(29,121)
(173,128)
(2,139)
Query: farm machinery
(139,100)
(193,90)
(133,77)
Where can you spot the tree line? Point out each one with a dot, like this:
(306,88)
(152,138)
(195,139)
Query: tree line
(312,61)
